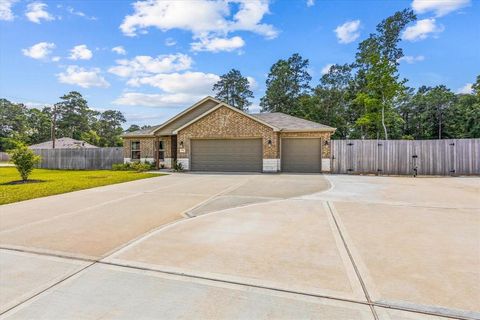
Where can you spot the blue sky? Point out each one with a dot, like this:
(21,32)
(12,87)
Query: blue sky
(151,59)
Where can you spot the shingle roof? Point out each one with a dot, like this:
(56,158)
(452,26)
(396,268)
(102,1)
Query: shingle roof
(142,132)
(63,143)
(286,122)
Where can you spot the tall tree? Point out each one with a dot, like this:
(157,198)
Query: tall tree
(109,128)
(329,100)
(73,116)
(377,60)
(39,125)
(287,81)
(234,89)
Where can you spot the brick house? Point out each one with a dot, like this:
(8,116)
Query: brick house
(213,136)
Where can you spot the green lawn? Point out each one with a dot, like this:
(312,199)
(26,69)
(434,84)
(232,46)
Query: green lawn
(59,181)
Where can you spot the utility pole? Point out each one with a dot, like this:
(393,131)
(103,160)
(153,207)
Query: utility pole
(54,124)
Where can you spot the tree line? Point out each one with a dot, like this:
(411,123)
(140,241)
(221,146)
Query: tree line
(70,117)
(364,99)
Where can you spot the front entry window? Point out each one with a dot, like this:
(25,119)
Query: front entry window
(135,146)
(161,151)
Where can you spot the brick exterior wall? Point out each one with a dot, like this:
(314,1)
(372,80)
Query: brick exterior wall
(146,147)
(324,135)
(225,123)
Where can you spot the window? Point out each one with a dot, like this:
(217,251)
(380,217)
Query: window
(135,146)
(161,151)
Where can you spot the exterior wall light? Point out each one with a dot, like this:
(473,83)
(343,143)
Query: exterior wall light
(181,144)
(269,142)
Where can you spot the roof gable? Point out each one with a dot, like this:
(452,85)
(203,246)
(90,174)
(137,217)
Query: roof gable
(231,108)
(178,120)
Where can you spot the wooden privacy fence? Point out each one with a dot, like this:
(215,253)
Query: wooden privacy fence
(4,156)
(79,159)
(407,157)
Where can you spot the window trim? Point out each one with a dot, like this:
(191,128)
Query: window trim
(132,150)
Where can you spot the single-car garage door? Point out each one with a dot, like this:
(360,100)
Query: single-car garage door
(237,155)
(301,154)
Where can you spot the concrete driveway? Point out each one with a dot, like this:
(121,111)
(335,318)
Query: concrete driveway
(242,246)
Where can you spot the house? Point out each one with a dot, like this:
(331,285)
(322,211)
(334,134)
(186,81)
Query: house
(63,143)
(213,136)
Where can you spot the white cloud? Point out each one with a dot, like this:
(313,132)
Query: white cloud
(80,52)
(348,32)
(39,51)
(421,30)
(439,7)
(310,3)
(170,42)
(466,89)
(56,59)
(145,65)
(6,13)
(211,20)
(218,44)
(82,77)
(71,10)
(177,89)
(36,12)
(188,82)
(252,83)
(326,69)
(157,99)
(119,50)
(412,59)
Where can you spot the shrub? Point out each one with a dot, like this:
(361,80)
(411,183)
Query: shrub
(121,167)
(140,167)
(24,160)
(177,166)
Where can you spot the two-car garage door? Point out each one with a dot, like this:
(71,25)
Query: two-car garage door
(245,155)
(236,155)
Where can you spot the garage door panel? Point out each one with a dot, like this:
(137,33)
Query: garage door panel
(227,155)
(301,154)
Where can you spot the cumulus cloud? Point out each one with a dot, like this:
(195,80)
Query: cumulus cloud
(348,32)
(36,11)
(310,3)
(188,82)
(80,52)
(205,19)
(411,59)
(82,77)
(218,44)
(39,51)
(6,13)
(438,7)
(177,89)
(422,29)
(466,89)
(119,50)
(156,99)
(326,69)
(144,65)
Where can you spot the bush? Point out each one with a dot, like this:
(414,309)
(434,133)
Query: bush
(24,160)
(177,166)
(133,166)
(121,167)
